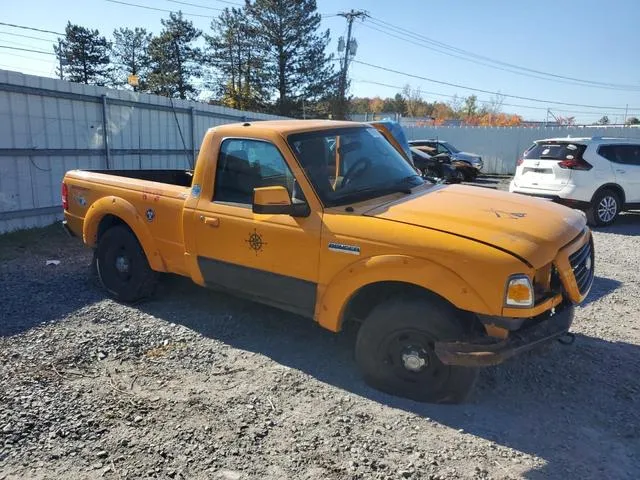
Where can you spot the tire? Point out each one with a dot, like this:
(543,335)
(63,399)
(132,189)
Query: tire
(605,208)
(122,266)
(459,175)
(394,351)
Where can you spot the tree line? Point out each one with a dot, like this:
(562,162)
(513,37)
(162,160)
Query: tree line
(268,56)
(410,103)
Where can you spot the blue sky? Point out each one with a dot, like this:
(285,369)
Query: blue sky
(590,40)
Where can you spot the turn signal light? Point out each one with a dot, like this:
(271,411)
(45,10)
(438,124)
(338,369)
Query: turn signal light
(519,292)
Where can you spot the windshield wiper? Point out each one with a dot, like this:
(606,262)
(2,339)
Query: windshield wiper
(404,185)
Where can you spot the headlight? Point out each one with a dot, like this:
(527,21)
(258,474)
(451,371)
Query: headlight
(519,292)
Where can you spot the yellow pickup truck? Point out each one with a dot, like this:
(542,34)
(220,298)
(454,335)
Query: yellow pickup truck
(328,220)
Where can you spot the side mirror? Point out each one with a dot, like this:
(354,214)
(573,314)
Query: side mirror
(277,201)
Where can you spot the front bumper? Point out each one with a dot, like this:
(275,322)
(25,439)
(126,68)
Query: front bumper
(487,351)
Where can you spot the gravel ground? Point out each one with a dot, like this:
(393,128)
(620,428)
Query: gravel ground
(196,385)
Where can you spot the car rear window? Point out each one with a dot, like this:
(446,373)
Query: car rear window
(555,151)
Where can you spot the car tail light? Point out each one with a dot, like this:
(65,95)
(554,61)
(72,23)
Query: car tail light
(574,164)
(520,162)
(65,197)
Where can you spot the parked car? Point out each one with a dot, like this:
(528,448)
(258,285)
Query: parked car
(598,175)
(437,168)
(440,278)
(469,163)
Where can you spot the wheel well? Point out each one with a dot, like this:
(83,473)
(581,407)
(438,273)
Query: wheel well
(107,222)
(611,186)
(372,295)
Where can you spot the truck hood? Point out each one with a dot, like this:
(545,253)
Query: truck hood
(530,228)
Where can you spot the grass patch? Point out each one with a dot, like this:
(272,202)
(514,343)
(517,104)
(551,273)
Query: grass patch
(44,240)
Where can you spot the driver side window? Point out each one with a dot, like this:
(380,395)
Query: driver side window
(244,165)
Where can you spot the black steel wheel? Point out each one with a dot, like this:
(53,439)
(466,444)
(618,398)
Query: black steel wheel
(395,351)
(122,266)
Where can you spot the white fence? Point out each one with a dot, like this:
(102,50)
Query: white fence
(500,147)
(49,126)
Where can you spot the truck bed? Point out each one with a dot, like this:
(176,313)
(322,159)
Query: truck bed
(181,178)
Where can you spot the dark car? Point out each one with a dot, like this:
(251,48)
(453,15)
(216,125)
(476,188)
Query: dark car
(469,163)
(435,168)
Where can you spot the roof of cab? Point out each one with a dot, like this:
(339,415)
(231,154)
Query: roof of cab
(285,127)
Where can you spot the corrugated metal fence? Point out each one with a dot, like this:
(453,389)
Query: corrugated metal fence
(49,126)
(500,147)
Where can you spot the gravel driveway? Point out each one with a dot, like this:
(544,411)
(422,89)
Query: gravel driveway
(196,385)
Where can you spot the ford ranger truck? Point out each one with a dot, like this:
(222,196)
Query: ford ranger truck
(327,220)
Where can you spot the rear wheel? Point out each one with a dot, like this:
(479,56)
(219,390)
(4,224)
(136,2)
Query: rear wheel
(122,266)
(395,351)
(604,209)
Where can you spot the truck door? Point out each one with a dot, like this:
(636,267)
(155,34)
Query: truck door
(271,258)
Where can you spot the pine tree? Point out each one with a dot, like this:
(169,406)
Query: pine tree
(84,56)
(232,51)
(293,49)
(130,54)
(175,61)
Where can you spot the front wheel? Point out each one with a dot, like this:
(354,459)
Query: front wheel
(604,208)
(122,266)
(395,351)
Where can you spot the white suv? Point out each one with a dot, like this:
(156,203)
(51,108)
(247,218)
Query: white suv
(598,175)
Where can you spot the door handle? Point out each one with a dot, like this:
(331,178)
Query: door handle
(620,171)
(211,221)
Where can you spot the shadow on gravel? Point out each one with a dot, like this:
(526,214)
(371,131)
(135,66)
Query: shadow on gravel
(33,293)
(602,287)
(627,224)
(568,405)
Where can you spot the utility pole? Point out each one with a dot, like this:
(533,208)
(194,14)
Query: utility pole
(626,111)
(60,58)
(349,51)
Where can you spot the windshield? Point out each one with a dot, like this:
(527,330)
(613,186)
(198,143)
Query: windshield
(450,147)
(346,165)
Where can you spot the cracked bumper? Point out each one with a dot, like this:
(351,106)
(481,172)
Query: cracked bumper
(487,351)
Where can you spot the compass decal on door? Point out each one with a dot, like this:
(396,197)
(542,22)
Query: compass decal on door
(255,241)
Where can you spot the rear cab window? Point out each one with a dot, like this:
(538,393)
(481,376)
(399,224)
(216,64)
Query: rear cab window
(555,151)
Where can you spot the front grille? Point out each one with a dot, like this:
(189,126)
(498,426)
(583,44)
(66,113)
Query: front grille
(583,268)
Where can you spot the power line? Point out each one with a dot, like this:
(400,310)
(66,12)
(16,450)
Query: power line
(478,62)
(30,28)
(204,6)
(26,36)
(397,87)
(27,50)
(12,67)
(443,45)
(530,99)
(20,44)
(157,9)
